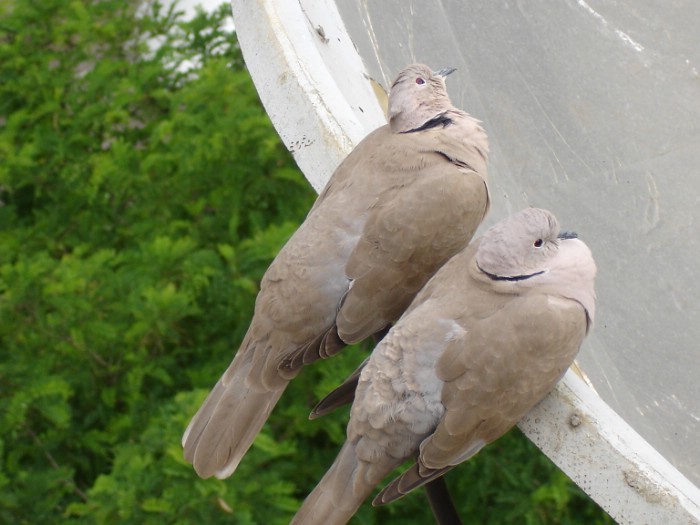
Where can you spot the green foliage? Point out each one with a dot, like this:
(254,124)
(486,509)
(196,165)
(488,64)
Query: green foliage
(143,192)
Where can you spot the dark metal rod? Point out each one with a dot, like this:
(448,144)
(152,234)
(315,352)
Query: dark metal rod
(441,502)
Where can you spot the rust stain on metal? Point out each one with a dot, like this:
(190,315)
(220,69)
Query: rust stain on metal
(575,420)
(650,491)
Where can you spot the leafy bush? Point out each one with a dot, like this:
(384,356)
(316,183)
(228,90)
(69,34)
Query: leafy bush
(143,192)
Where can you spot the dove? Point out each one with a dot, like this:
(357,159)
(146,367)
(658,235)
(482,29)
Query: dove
(405,200)
(489,335)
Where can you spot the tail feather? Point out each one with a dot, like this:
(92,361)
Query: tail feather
(319,509)
(225,426)
(338,495)
(199,422)
(341,491)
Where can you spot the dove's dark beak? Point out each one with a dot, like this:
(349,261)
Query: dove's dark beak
(567,235)
(444,71)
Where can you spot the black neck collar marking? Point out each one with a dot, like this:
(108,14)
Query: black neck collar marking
(441,120)
(495,277)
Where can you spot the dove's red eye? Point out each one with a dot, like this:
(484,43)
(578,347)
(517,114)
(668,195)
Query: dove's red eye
(538,243)
(420,81)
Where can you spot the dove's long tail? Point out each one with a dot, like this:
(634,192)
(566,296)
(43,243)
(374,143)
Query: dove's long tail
(225,426)
(341,491)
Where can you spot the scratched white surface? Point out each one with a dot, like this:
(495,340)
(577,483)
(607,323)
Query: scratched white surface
(593,111)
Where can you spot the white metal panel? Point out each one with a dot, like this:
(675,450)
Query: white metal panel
(319,111)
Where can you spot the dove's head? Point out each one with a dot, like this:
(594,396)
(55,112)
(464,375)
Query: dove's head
(520,245)
(417,96)
(528,250)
